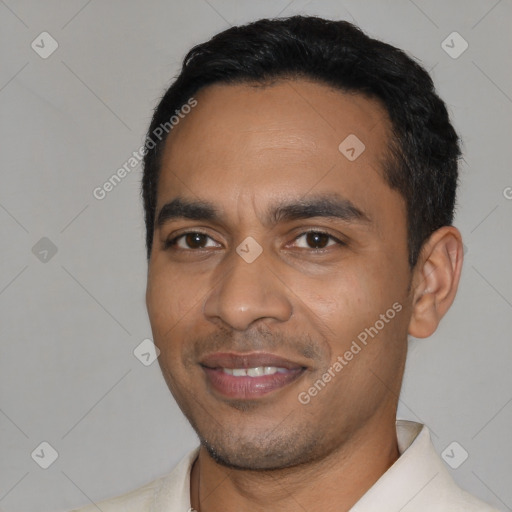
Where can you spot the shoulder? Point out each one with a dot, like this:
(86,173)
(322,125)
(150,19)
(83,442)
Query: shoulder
(432,486)
(419,480)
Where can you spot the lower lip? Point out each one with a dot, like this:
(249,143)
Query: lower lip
(249,387)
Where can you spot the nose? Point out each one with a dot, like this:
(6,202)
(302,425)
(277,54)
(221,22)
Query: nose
(246,293)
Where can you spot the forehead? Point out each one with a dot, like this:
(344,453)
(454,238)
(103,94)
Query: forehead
(286,139)
(282,114)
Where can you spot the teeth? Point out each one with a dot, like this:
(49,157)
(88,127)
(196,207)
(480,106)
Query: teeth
(254,372)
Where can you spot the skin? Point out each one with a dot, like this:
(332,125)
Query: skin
(245,148)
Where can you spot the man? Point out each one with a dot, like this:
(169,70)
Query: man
(299,186)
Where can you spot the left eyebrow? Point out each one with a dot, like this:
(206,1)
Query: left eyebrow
(331,206)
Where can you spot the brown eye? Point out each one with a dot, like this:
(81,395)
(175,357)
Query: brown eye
(195,240)
(190,241)
(315,240)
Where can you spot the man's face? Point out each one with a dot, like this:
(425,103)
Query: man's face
(280,252)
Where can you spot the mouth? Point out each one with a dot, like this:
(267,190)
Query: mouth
(249,376)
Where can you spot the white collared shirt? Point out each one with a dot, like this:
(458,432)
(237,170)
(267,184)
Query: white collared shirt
(418,481)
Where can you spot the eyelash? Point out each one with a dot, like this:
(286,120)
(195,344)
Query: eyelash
(170,244)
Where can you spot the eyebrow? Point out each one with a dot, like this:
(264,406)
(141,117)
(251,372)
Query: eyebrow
(329,206)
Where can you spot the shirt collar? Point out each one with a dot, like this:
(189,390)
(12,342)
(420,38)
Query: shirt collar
(415,480)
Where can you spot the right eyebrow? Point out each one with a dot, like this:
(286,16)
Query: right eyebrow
(184,209)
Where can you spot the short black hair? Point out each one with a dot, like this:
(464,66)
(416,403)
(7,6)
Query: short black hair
(423,148)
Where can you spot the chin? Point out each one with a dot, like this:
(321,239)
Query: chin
(260,454)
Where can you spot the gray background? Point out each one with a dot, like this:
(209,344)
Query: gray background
(69,324)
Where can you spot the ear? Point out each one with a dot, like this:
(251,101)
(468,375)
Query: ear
(435,280)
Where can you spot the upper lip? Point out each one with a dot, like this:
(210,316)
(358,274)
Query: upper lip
(247,360)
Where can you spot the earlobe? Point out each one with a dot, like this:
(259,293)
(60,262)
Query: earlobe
(435,281)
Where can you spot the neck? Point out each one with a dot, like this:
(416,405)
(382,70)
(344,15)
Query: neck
(335,482)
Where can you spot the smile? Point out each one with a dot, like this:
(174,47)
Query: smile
(254,372)
(248,376)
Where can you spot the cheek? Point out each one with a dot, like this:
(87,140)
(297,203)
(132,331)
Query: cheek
(169,299)
(169,305)
(335,307)
(352,300)
(342,294)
